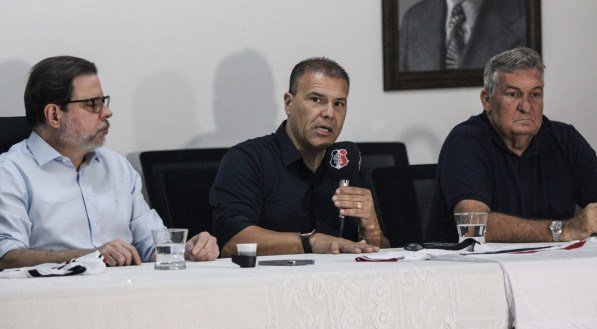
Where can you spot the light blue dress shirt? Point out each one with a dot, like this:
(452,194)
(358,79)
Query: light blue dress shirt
(45,203)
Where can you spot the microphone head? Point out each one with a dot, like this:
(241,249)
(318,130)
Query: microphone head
(343,161)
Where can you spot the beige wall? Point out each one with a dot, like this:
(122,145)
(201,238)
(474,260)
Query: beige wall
(201,73)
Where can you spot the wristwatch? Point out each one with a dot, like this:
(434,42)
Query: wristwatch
(556,228)
(305,239)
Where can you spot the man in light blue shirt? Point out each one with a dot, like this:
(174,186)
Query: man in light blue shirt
(62,195)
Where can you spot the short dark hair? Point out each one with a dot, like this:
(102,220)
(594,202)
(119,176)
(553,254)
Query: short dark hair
(316,65)
(517,59)
(51,82)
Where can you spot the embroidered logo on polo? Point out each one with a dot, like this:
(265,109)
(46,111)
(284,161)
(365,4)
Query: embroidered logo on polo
(339,158)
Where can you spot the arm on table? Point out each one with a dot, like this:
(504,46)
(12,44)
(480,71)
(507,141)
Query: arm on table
(116,253)
(506,228)
(279,243)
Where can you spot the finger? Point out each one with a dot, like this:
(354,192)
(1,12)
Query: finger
(334,248)
(352,190)
(215,253)
(109,260)
(360,213)
(202,239)
(202,254)
(366,249)
(208,251)
(350,198)
(118,257)
(134,254)
(349,204)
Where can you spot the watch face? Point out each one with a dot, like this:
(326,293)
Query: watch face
(555,226)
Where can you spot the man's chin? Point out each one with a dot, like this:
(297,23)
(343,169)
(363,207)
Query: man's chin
(525,128)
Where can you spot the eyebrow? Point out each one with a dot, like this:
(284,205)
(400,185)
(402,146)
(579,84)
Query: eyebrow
(517,88)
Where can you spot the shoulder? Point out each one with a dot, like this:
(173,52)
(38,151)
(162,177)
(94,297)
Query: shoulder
(566,136)
(15,163)
(560,130)
(16,156)
(474,129)
(424,8)
(255,148)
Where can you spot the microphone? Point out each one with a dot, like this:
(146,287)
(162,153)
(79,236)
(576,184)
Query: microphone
(343,161)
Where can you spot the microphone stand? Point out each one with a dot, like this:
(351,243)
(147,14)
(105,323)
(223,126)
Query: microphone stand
(342,183)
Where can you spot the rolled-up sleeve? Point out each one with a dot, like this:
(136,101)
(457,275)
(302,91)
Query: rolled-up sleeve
(236,195)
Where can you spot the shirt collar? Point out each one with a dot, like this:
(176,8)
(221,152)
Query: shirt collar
(288,151)
(44,153)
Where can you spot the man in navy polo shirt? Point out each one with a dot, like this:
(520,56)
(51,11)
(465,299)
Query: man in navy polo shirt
(274,190)
(536,177)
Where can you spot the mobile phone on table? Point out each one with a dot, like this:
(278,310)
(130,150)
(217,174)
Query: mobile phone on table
(286,262)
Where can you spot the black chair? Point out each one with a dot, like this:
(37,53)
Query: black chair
(405,195)
(178,183)
(376,155)
(12,131)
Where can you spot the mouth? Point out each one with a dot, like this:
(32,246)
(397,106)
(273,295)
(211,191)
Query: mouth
(324,129)
(524,120)
(105,126)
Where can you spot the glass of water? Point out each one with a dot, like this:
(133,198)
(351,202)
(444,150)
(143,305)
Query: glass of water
(471,225)
(169,248)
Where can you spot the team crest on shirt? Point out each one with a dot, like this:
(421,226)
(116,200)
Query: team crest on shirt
(339,158)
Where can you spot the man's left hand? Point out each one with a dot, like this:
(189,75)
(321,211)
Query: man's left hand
(201,247)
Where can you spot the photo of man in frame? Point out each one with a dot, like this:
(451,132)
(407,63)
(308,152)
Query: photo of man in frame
(443,35)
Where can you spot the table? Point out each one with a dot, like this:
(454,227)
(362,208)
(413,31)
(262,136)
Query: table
(336,292)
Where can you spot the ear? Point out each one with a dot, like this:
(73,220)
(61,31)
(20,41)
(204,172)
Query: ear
(53,114)
(485,101)
(287,101)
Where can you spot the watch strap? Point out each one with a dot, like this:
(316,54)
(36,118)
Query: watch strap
(305,240)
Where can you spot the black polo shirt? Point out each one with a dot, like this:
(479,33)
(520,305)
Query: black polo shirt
(555,173)
(264,182)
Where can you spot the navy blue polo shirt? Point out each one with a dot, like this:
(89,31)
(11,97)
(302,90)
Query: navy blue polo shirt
(264,182)
(555,173)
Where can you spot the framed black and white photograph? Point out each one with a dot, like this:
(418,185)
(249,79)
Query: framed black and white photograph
(446,43)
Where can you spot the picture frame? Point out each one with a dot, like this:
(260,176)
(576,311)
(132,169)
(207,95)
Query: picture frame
(400,74)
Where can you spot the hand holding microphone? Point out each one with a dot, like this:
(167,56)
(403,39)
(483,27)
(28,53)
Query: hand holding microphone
(344,164)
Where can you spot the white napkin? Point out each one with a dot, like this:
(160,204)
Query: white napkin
(92,263)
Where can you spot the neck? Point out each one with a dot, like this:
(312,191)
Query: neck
(312,160)
(75,154)
(517,144)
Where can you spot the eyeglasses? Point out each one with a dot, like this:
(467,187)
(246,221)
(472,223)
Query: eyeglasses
(95,105)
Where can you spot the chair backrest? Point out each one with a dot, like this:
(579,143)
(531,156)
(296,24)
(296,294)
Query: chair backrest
(405,194)
(178,183)
(12,131)
(376,155)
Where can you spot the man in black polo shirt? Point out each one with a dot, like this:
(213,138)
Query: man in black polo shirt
(536,177)
(273,190)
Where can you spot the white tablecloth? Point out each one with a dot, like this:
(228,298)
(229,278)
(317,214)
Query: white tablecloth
(336,292)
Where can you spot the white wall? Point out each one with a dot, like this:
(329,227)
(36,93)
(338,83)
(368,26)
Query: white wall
(199,73)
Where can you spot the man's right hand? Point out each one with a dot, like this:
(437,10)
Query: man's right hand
(326,244)
(582,225)
(120,253)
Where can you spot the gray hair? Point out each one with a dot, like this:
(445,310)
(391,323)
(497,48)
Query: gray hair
(509,61)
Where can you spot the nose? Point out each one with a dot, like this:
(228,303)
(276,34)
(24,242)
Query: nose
(524,106)
(106,112)
(328,111)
